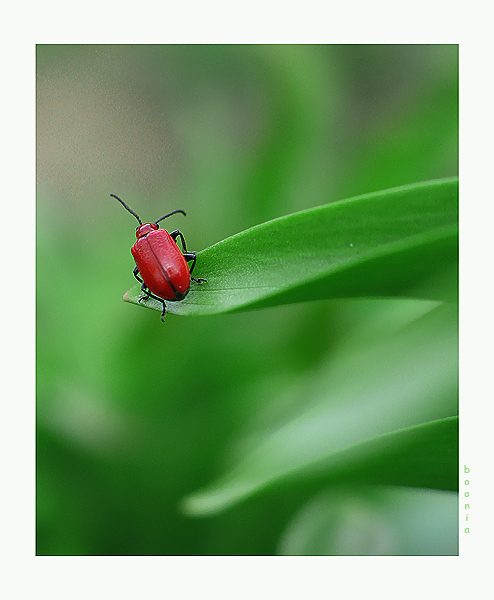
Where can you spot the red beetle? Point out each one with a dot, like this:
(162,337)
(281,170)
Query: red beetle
(160,265)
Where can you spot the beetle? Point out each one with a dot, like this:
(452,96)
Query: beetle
(161,267)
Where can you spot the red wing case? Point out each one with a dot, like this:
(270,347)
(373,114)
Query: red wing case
(162,266)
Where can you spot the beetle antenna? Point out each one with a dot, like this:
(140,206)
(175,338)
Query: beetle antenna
(129,209)
(170,214)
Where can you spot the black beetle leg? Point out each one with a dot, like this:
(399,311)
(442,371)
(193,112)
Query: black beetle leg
(143,286)
(192,256)
(146,291)
(176,234)
(136,275)
(187,255)
(148,294)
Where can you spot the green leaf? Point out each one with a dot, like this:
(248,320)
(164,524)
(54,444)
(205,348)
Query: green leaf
(387,243)
(414,457)
(386,414)
(367,521)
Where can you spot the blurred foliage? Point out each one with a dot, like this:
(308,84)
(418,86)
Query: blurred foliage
(135,416)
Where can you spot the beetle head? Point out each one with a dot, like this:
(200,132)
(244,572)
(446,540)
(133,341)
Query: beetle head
(144,229)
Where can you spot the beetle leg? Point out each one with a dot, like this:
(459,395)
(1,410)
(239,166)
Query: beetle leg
(176,234)
(192,256)
(187,255)
(136,275)
(146,291)
(150,295)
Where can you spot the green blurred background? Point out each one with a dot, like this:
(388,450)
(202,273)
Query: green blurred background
(134,414)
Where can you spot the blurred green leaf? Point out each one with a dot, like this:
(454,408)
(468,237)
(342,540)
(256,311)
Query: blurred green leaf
(380,244)
(424,456)
(375,521)
(385,414)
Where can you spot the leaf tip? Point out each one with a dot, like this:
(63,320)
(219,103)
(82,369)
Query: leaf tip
(215,499)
